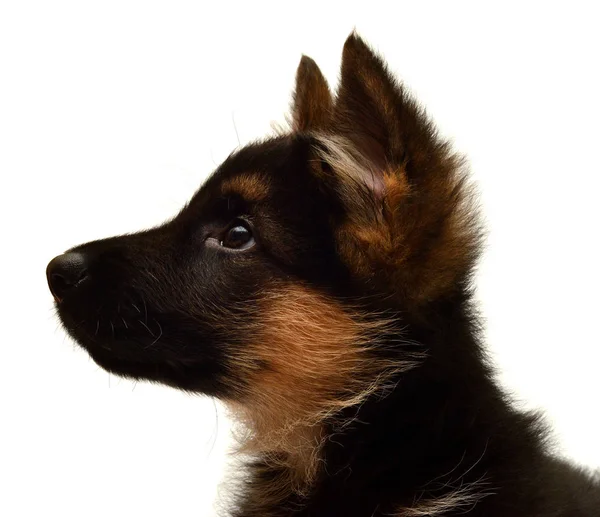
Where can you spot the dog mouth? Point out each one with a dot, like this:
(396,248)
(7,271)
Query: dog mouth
(125,347)
(132,352)
(117,315)
(98,311)
(125,333)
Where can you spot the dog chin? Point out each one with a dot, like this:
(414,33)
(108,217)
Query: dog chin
(111,362)
(113,356)
(196,376)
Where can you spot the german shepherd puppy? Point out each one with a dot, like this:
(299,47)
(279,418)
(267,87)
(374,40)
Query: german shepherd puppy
(319,283)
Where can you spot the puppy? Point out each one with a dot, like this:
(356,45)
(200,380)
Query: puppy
(319,283)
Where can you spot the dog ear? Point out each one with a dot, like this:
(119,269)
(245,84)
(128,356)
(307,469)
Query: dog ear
(407,213)
(383,122)
(365,110)
(373,121)
(312,102)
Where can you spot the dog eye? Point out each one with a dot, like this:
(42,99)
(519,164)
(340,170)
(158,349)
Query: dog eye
(238,237)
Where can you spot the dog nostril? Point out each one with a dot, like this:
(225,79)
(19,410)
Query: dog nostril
(66,272)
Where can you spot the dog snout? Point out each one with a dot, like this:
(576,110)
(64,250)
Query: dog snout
(66,272)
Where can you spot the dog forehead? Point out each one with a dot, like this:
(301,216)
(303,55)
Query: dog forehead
(260,169)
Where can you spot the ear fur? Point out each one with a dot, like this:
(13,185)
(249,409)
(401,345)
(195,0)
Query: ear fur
(373,110)
(409,219)
(366,104)
(312,102)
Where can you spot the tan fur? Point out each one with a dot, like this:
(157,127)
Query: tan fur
(420,237)
(459,500)
(251,187)
(309,356)
(309,359)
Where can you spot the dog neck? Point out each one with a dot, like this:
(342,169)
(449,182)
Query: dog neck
(433,444)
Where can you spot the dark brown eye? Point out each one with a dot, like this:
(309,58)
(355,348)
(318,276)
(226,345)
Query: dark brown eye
(238,237)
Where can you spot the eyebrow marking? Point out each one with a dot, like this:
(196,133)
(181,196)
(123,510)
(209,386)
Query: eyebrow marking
(250,186)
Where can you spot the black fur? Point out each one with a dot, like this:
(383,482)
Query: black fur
(176,306)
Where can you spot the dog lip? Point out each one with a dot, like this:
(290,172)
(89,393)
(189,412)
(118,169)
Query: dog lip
(58,299)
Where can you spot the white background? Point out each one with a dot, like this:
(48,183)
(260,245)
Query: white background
(113,112)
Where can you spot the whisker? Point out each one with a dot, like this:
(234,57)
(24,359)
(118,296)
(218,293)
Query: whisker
(79,325)
(147,328)
(215,432)
(235,127)
(479,460)
(159,336)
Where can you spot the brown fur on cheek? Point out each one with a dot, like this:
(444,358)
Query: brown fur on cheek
(308,359)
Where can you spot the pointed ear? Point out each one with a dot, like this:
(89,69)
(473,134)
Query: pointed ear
(312,102)
(373,111)
(407,219)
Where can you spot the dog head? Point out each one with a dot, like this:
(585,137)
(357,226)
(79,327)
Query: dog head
(276,287)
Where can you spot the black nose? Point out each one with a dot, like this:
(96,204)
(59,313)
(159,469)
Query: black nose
(65,272)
